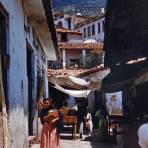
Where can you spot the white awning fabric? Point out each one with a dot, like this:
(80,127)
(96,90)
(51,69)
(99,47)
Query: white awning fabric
(78,81)
(74,93)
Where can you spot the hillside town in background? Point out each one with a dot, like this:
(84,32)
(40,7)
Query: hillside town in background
(73,73)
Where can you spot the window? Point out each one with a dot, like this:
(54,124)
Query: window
(93,29)
(63,37)
(60,24)
(88,31)
(103,26)
(99,29)
(69,23)
(84,32)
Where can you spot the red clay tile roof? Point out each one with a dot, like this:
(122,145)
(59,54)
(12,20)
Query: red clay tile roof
(91,71)
(65,30)
(89,20)
(65,72)
(90,46)
(61,77)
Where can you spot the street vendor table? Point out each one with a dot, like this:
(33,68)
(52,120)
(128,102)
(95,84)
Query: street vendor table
(69,120)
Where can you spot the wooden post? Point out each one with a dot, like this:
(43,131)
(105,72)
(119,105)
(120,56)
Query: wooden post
(64,58)
(75,131)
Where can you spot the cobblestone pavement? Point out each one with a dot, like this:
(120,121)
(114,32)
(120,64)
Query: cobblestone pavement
(67,142)
(78,143)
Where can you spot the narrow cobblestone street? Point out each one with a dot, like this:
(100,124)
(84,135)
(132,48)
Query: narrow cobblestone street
(67,142)
(80,144)
(83,144)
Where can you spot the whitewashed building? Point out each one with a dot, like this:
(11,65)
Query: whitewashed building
(73,49)
(92,28)
(69,21)
(27,41)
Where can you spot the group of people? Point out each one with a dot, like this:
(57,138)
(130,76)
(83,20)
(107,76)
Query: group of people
(51,120)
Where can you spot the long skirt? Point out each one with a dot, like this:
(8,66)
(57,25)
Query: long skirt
(90,128)
(49,137)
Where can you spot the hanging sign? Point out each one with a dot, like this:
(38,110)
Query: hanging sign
(114,103)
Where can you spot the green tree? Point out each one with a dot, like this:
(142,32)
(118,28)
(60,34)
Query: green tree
(93,59)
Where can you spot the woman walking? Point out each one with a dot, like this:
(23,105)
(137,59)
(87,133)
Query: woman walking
(49,118)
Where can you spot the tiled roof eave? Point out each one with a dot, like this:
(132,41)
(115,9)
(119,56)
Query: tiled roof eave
(89,46)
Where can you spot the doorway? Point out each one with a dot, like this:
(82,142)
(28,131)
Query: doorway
(3,72)
(30,89)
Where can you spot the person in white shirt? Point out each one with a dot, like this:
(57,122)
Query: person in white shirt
(143,136)
(89,123)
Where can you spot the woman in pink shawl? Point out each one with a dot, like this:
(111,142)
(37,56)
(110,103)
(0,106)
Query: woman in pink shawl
(49,117)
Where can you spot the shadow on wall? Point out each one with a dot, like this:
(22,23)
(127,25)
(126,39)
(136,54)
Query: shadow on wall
(18,128)
(37,126)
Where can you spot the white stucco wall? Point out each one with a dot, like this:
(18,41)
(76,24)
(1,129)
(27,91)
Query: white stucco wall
(97,36)
(76,38)
(17,73)
(63,20)
(73,54)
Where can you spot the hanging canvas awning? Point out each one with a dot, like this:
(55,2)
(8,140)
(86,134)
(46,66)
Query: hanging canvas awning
(79,81)
(95,76)
(74,93)
(69,81)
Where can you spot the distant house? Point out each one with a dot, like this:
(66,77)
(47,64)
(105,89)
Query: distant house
(69,21)
(27,41)
(67,35)
(73,48)
(92,28)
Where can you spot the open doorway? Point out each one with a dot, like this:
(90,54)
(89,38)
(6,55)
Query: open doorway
(3,71)
(30,89)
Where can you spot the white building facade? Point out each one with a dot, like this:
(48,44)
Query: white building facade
(29,44)
(66,22)
(69,21)
(92,28)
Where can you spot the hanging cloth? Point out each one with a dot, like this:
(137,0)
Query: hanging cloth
(74,93)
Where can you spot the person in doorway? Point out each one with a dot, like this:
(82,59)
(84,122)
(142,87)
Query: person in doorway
(49,118)
(89,123)
(143,136)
